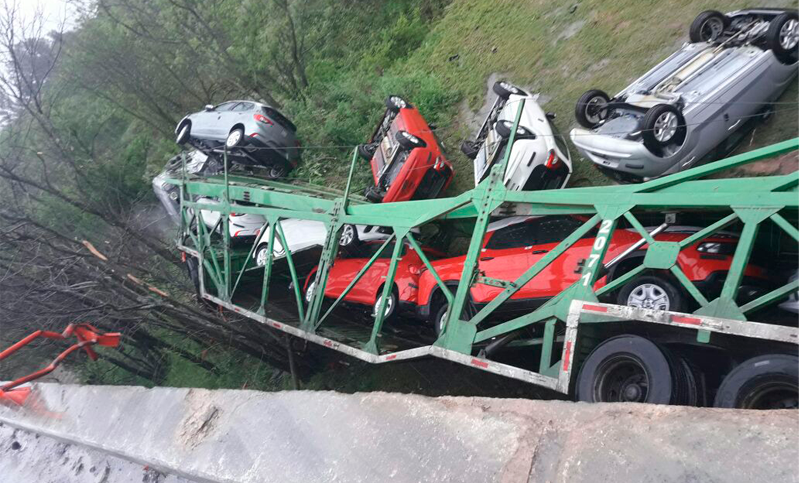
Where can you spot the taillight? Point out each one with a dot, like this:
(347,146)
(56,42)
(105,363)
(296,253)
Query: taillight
(237,214)
(262,118)
(552,160)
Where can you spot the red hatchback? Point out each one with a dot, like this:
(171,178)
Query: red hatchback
(369,288)
(407,162)
(514,244)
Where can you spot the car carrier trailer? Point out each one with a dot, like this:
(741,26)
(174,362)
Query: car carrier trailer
(575,343)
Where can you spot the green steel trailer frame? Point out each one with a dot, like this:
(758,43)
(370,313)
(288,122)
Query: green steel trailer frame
(554,328)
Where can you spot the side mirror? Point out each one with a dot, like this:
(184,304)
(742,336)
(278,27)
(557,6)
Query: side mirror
(209,107)
(551,115)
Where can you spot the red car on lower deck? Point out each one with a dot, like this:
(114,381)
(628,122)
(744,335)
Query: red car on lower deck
(369,288)
(406,159)
(514,244)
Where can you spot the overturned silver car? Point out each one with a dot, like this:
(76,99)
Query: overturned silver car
(695,105)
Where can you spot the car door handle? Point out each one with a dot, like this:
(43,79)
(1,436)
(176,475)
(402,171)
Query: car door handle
(734,125)
(536,252)
(486,259)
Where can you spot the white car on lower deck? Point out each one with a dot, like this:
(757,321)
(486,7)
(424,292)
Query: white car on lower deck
(539,157)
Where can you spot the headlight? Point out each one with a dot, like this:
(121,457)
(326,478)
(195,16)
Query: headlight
(717,248)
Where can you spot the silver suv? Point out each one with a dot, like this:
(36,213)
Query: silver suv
(254,134)
(696,104)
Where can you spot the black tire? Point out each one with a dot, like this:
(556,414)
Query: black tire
(470,149)
(663,125)
(277,171)
(408,140)
(708,26)
(763,382)
(367,151)
(504,89)
(395,103)
(235,138)
(372,194)
(592,108)
(261,248)
(184,133)
(438,318)
(675,300)
(629,368)
(391,308)
(503,129)
(783,44)
(349,236)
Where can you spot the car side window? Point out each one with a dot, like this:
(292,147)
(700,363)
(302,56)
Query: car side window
(553,229)
(514,236)
(371,248)
(225,106)
(243,106)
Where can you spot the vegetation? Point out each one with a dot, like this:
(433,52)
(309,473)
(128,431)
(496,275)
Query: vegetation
(89,118)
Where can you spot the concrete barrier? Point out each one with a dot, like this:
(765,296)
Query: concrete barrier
(249,436)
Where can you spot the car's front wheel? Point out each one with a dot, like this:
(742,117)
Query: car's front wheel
(391,305)
(261,255)
(349,236)
(395,103)
(592,108)
(372,194)
(234,138)
(277,171)
(708,26)
(408,140)
(782,37)
(663,126)
(367,151)
(505,89)
(183,133)
(470,149)
(651,292)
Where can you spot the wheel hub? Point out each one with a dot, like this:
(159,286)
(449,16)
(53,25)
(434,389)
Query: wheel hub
(665,127)
(347,236)
(711,29)
(788,35)
(595,109)
(649,296)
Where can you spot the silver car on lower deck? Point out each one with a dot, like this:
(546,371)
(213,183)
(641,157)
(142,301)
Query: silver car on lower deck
(694,105)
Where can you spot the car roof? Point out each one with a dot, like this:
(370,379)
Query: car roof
(260,104)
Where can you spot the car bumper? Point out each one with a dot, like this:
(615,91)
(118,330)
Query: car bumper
(624,156)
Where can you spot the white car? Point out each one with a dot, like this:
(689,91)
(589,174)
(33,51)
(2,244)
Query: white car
(303,235)
(539,158)
(241,225)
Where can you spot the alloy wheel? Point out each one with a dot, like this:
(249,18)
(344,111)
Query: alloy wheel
(788,35)
(665,127)
(649,296)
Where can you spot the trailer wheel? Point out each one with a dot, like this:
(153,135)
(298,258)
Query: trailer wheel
(629,368)
(763,382)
